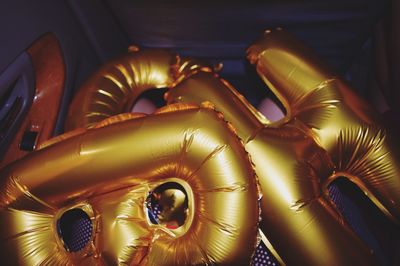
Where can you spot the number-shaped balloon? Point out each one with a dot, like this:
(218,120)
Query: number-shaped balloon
(115,87)
(328,132)
(108,173)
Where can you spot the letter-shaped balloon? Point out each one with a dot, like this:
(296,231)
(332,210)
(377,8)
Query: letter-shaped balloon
(328,132)
(108,173)
(115,87)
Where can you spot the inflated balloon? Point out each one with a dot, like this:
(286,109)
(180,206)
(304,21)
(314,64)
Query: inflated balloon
(340,122)
(116,86)
(328,132)
(185,158)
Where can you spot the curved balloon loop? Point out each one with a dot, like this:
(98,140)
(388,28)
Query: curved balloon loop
(189,161)
(124,162)
(328,132)
(114,88)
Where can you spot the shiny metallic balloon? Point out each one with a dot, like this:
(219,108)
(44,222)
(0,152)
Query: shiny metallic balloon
(109,172)
(328,132)
(115,87)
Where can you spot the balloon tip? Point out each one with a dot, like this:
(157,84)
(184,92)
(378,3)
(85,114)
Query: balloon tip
(133,48)
(218,67)
(268,31)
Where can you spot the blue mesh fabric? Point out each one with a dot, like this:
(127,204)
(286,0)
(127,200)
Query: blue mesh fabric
(263,257)
(81,234)
(75,228)
(353,215)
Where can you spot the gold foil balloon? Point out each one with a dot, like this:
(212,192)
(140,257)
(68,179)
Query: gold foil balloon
(340,122)
(328,132)
(189,156)
(110,170)
(115,87)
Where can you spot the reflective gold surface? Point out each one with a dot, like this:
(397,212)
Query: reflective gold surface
(328,132)
(115,87)
(109,171)
(112,89)
(340,122)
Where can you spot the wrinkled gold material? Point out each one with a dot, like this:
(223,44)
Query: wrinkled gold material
(112,89)
(341,122)
(109,171)
(116,86)
(328,132)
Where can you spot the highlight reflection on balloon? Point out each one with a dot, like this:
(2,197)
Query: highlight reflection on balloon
(210,213)
(115,88)
(328,132)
